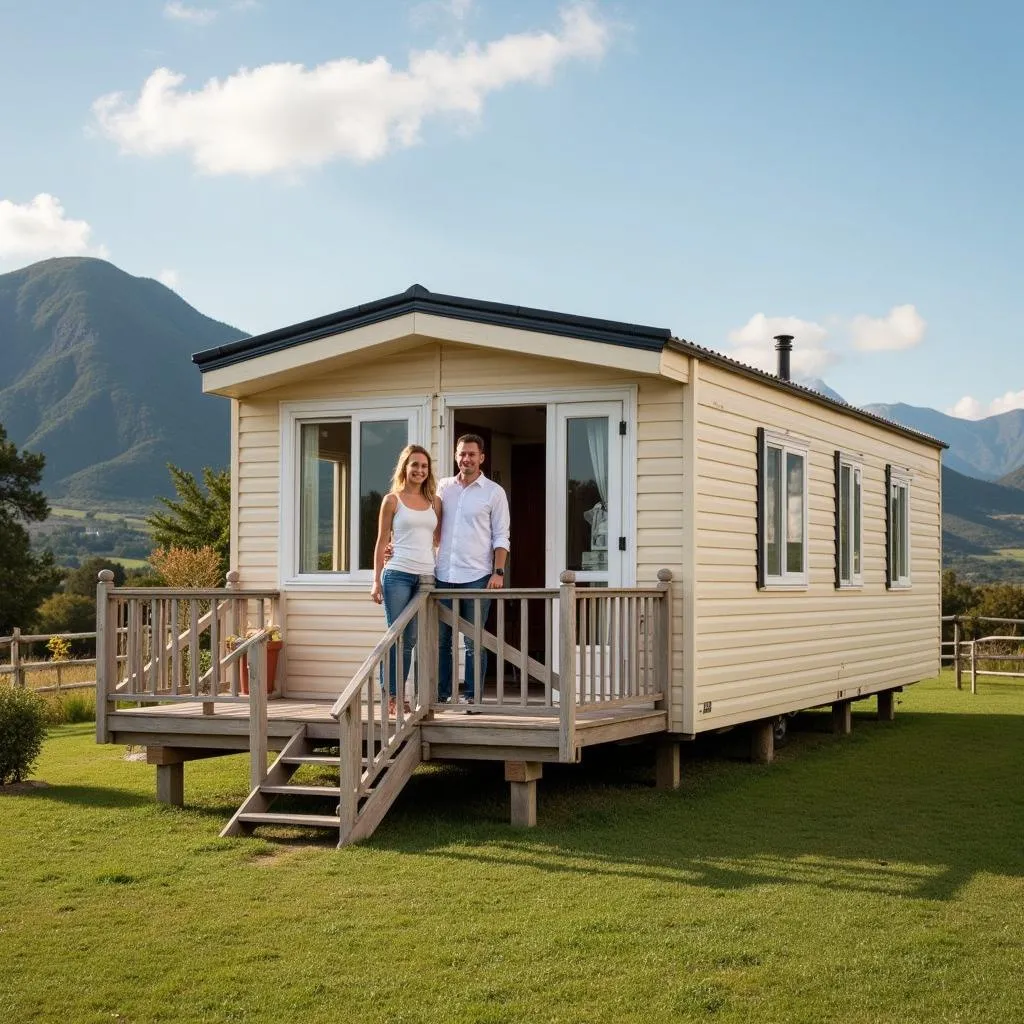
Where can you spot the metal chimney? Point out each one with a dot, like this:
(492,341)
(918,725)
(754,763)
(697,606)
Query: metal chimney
(784,345)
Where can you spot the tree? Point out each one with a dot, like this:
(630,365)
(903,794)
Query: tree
(25,578)
(201,516)
(67,613)
(82,581)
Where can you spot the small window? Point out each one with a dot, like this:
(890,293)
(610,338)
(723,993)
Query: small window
(782,511)
(898,527)
(849,519)
(336,468)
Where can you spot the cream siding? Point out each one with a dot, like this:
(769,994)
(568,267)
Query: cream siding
(330,630)
(762,653)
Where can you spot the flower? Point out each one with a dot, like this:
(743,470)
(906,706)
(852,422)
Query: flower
(232,641)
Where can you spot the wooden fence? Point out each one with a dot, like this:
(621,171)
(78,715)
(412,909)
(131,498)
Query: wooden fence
(979,653)
(20,666)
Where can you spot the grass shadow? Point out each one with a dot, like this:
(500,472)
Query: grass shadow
(916,807)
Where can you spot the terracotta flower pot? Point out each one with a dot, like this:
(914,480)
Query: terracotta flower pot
(273,652)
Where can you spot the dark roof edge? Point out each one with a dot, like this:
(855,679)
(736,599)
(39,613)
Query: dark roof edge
(709,355)
(418,299)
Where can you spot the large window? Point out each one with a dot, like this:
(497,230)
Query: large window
(782,511)
(849,520)
(898,524)
(336,467)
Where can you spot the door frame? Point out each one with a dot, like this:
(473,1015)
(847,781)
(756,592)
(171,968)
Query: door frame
(449,401)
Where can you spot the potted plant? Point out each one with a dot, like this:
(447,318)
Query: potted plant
(274,645)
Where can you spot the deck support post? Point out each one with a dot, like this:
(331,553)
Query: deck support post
(522,778)
(842,717)
(170,784)
(667,773)
(762,741)
(886,705)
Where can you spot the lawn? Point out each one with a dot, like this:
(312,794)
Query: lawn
(874,878)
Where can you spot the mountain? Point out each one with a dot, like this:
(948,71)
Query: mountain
(979,516)
(817,384)
(97,377)
(988,448)
(1014,479)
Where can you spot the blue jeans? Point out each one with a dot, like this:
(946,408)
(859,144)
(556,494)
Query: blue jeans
(467,608)
(399,589)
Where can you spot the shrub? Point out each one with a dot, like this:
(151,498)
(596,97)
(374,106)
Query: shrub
(188,567)
(69,708)
(22,729)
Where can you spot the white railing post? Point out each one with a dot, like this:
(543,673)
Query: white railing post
(664,638)
(257,712)
(957,669)
(17,673)
(426,648)
(234,629)
(567,666)
(106,652)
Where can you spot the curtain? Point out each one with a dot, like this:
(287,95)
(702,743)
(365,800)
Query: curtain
(597,442)
(309,503)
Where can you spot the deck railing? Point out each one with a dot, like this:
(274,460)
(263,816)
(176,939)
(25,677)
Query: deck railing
(369,733)
(598,647)
(165,645)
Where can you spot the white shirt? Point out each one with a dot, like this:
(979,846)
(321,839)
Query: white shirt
(475,523)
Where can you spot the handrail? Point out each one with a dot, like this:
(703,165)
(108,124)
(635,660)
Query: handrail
(204,594)
(355,683)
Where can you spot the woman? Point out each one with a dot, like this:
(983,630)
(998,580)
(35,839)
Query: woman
(410,521)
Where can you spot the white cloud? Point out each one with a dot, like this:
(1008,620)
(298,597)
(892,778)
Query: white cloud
(169,277)
(753,344)
(282,117)
(902,327)
(39,228)
(178,11)
(969,408)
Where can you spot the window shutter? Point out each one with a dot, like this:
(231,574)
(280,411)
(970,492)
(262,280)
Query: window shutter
(888,526)
(760,508)
(839,498)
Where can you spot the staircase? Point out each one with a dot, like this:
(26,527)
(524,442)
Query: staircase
(377,789)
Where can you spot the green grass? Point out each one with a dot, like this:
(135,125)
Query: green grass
(875,878)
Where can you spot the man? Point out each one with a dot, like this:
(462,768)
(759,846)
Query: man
(474,547)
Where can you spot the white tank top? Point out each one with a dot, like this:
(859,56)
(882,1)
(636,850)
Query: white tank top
(412,534)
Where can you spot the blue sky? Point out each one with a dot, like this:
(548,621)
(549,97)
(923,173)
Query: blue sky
(847,172)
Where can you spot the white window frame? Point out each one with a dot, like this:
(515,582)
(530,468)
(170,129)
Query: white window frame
(856,578)
(788,445)
(293,415)
(899,478)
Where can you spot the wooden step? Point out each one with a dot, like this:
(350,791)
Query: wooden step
(327,759)
(275,818)
(334,792)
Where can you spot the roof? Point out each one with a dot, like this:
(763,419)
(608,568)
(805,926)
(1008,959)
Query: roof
(417,299)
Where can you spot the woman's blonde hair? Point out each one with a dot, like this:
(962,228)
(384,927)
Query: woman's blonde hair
(429,488)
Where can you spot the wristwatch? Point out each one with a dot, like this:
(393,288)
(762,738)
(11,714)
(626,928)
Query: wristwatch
(499,572)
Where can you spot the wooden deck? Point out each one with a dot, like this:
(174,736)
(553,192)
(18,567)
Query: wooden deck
(447,733)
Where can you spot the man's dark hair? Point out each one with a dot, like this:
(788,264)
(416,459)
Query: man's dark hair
(471,439)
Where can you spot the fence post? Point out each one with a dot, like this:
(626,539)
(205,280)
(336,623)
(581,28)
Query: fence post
(17,676)
(106,652)
(426,648)
(567,666)
(665,638)
(974,666)
(957,670)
